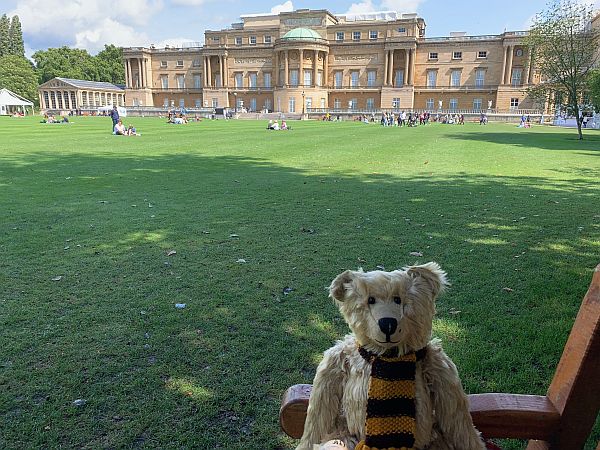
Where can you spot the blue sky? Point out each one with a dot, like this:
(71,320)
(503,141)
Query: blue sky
(90,24)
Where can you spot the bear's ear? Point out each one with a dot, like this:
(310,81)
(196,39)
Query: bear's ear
(432,274)
(342,285)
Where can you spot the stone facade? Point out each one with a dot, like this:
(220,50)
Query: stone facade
(310,59)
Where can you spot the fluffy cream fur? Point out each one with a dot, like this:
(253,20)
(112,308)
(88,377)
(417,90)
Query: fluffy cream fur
(337,409)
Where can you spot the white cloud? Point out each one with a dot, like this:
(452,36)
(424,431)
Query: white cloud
(188,2)
(86,23)
(284,7)
(402,6)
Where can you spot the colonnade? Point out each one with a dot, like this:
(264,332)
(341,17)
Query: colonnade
(139,67)
(61,99)
(507,66)
(285,56)
(409,67)
(223,68)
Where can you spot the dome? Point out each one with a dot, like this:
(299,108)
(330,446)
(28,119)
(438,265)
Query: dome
(302,34)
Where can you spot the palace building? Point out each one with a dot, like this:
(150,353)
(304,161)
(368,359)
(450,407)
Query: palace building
(66,94)
(313,60)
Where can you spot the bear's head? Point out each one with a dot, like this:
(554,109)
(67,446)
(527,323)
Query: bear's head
(390,309)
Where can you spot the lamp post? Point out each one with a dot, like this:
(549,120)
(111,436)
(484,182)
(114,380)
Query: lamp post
(303,104)
(235,102)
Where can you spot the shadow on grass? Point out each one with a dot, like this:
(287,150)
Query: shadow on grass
(256,244)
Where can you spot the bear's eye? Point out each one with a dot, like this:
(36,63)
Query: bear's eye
(371,300)
(397,300)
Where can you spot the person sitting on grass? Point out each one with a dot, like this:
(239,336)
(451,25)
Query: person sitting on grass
(120,129)
(284,125)
(131,131)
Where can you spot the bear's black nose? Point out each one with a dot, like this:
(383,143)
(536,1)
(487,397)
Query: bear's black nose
(388,325)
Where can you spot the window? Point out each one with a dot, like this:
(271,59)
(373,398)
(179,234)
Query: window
(198,103)
(268,104)
(238,78)
(339,36)
(402,30)
(353,104)
(431,78)
(320,78)
(477,104)
(252,80)
(252,40)
(238,40)
(164,81)
(216,39)
(307,78)
(354,78)
(181,103)
(373,35)
(480,77)
(339,77)
(197,81)
(514,103)
(337,103)
(218,80)
(456,55)
(267,39)
(215,102)
(267,79)
(453,104)
(519,52)
(371,78)
(482,54)
(163,64)
(356,35)
(433,55)
(399,81)
(166,103)
(323,103)
(308,102)
(180,81)
(292,105)
(371,103)
(429,103)
(252,104)
(294,77)
(455,78)
(239,103)
(517,75)
(395,103)
(179,63)
(196,63)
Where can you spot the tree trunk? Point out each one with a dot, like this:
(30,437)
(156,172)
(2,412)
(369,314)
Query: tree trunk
(578,119)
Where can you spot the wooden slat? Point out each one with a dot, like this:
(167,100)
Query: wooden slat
(514,416)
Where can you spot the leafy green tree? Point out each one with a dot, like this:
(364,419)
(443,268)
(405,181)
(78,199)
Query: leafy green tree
(4,35)
(15,37)
(17,74)
(110,64)
(594,89)
(565,50)
(64,62)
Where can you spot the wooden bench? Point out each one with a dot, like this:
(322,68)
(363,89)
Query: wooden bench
(560,420)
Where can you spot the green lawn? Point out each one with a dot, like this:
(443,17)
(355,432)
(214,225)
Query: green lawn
(261,222)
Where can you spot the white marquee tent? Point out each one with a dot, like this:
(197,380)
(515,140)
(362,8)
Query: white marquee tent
(11,103)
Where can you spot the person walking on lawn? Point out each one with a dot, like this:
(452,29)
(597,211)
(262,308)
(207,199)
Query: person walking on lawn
(114,114)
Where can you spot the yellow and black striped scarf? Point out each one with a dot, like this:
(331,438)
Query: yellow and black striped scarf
(391,405)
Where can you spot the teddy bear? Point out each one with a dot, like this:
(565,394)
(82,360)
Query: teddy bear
(388,384)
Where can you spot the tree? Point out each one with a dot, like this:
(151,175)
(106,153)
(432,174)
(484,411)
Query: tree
(15,37)
(594,89)
(110,64)
(4,35)
(17,75)
(64,62)
(565,50)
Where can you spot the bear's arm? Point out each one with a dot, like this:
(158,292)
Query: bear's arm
(450,402)
(323,411)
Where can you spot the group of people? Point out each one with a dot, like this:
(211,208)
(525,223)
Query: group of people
(49,118)
(525,121)
(456,119)
(274,125)
(119,128)
(401,119)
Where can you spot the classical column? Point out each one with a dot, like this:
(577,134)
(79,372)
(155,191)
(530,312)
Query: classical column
(205,71)
(385,68)
(221,68)
(146,81)
(502,81)
(143,67)
(225,76)
(301,67)
(325,68)
(286,73)
(276,69)
(315,67)
(209,71)
(129,77)
(406,66)
(509,65)
(391,69)
(413,62)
